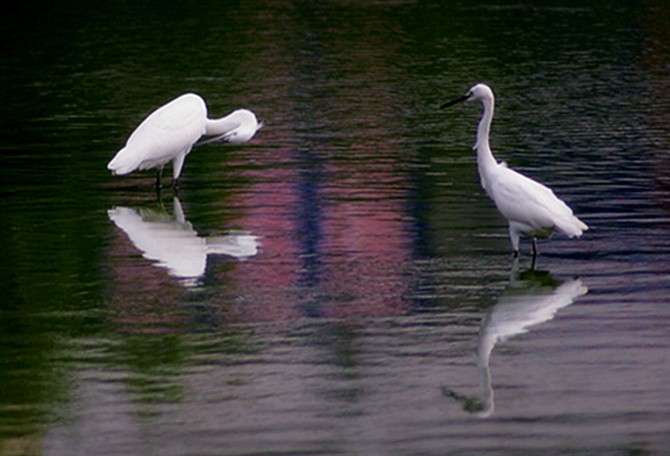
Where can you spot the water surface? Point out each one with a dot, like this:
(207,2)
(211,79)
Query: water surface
(341,284)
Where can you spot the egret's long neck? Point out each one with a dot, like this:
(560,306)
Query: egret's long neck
(485,158)
(222,125)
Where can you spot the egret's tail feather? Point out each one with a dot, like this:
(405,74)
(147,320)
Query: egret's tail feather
(123,163)
(582,225)
(573,227)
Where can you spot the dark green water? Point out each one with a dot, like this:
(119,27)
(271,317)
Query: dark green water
(382,312)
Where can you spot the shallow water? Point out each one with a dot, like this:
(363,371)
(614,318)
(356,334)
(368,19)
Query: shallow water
(341,284)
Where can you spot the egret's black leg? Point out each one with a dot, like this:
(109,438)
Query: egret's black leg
(534,248)
(158,178)
(515,254)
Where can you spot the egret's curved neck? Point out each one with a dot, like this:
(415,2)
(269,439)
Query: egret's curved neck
(220,126)
(484,156)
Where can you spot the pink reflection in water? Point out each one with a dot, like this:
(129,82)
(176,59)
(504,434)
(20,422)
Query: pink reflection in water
(333,246)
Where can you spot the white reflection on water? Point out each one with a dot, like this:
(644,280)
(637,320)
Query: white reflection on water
(532,297)
(172,243)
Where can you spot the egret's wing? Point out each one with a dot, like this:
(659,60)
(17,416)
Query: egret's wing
(167,132)
(527,201)
(179,122)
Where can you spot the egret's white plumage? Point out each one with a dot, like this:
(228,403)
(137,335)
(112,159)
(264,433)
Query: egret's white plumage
(169,133)
(531,208)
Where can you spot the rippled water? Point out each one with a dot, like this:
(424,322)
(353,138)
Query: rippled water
(341,284)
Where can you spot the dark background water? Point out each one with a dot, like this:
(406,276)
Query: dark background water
(368,317)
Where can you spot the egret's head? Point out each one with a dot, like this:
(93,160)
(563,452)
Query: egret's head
(248,125)
(481,92)
(477,92)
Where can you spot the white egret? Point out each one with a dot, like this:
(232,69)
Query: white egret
(170,132)
(531,208)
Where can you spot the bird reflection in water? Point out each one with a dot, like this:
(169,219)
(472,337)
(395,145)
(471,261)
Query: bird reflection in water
(531,298)
(172,243)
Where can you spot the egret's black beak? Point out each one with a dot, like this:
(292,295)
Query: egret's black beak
(456,101)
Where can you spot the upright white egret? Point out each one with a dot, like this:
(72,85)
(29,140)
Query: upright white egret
(170,132)
(531,208)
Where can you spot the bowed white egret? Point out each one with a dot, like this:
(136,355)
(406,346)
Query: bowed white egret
(531,208)
(169,133)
